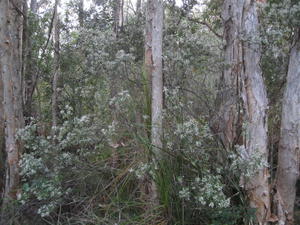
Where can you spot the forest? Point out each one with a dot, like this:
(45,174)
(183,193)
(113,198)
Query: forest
(149,112)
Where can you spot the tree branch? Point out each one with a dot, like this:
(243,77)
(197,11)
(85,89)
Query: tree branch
(207,25)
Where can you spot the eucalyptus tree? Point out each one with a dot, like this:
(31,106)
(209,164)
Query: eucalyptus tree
(157,80)
(154,77)
(118,7)
(81,13)
(288,153)
(138,6)
(10,68)
(2,134)
(242,100)
(148,59)
(157,77)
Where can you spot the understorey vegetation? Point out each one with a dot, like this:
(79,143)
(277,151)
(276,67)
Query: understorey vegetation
(135,112)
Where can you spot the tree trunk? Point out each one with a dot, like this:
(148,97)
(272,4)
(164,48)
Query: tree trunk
(80,13)
(255,105)
(33,6)
(56,75)
(157,86)
(118,16)
(148,65)
(288,155)
(227,123)
(2,134)
(138,7)
(153,83)
(10,68)
(242,99)
(157,79)
(25,39)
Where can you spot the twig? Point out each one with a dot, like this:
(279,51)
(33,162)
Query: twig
(207,25)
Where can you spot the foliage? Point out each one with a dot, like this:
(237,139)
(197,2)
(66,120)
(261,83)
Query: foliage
(94,167)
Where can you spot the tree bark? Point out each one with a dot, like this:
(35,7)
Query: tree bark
(138,7)
(25,39)
(148,65)
(153,83)
(227,123)
(56,76)
(255,106)
(157,79)
(33,6)
(2,134)
(157,87)
(81,13)
(242,99)
(10,68)
(288,153)
(118,16)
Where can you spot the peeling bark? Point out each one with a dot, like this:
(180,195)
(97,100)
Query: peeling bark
(10,69)
(242,98)
(288,154)
(255,105)
(154,85)
(227,123)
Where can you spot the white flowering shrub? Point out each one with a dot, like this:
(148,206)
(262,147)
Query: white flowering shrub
(44,164)
(247,164)
(121,101)
(187,129)
(205,191)
(199,180)
(184,133)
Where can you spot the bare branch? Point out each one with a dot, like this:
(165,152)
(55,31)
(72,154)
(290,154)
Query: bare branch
(207,25)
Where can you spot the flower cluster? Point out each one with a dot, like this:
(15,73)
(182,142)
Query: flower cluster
(247,164)
(187,129)
(46,158)
(205,191)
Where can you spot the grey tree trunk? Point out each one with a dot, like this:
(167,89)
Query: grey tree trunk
(147,185)
(242,99)
(118,16)
(25,39)
(157,79)
(288,155)
(255,106)
(2,134)
(157,88)
(56,75)
(138,7)
(153,82)
(33,6)
(227,123)
(81,13)
(10,69)
(148,67)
